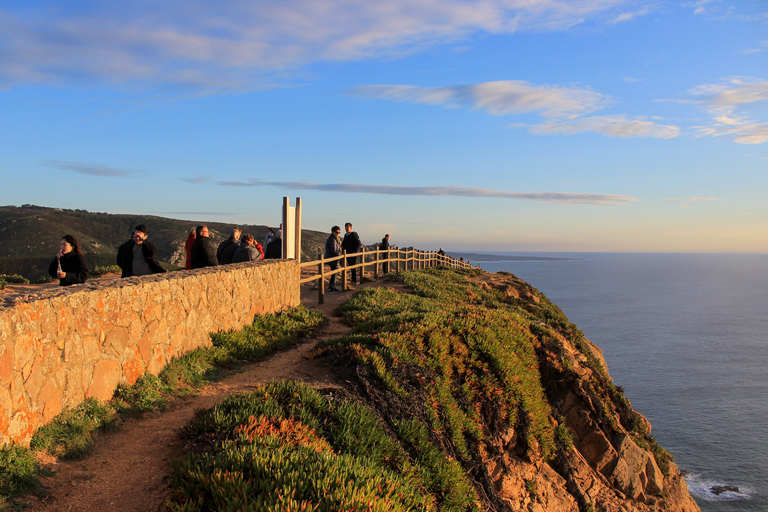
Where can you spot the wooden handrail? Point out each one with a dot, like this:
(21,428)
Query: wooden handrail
(416,258)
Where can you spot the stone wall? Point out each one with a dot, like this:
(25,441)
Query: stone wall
(63,345)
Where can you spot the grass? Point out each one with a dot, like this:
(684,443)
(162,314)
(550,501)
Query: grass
(70,434)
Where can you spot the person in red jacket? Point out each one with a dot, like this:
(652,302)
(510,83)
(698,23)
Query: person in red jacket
(188,248)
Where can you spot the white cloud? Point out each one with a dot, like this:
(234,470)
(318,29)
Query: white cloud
(232,43)
(356,188)
(724,102)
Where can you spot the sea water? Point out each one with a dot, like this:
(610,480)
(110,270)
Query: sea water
(686,336)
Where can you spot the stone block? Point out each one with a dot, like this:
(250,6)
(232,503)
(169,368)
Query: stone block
(106,376)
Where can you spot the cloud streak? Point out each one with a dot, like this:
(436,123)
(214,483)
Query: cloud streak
(563,108)
(508,97)
(232,43)
(354,188)
(101,171)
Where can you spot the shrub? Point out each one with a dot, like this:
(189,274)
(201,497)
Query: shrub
(14,278)
(107,269)
(18,468)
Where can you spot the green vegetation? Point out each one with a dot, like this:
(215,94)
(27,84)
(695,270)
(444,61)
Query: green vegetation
(18,469)
(15,278)
(287,447)
(107,269)
(70,434)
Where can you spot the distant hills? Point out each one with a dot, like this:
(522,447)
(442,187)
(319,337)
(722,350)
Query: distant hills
(30,236)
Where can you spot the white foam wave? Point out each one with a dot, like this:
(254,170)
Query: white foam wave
(704,489)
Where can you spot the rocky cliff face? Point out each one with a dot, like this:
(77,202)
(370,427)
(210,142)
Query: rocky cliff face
(614,463)
(584,449)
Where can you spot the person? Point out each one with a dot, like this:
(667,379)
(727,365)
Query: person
(188,248)
(275,247)
(247,250)
(203,253)
(384,246)
(227,248)
(137,257)
(351,244)
(441,252)
(269,237)
(333,249)
(69,264)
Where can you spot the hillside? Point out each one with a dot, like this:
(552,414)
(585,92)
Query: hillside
(30,235)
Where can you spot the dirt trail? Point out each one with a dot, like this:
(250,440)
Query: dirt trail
(128,468)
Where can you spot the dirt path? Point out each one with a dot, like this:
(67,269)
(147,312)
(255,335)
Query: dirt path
(128,468)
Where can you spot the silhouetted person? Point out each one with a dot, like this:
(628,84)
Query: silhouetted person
(137,257)
(203,252)
(274,249)
(227,248)
(333,249)
(69,265)
(384,246)
(351,244)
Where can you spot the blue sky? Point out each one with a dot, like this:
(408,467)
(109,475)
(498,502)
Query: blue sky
(520,125)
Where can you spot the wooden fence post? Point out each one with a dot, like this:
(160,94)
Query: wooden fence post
(321,286)
(344,285)
(362,268)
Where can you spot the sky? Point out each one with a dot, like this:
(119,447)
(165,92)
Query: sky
(472,125)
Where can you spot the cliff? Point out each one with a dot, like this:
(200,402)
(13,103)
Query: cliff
(466,391)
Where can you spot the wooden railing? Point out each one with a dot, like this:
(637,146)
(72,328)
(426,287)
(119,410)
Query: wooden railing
(375,262)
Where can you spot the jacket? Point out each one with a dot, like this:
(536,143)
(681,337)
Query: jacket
(125,257)
(73,264)
(203,253)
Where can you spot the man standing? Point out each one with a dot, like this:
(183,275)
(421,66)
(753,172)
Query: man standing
(333,249)
(384,246)
(137,257)
(227,248)
(351,244)
(203,253)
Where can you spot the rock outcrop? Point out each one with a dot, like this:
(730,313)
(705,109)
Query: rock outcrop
(615,464)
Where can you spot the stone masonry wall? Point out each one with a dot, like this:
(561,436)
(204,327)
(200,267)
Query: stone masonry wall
(70,343)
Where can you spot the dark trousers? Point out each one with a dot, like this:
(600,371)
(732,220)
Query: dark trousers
(334,265)
(350,262)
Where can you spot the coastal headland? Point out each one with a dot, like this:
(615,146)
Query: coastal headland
(485,396)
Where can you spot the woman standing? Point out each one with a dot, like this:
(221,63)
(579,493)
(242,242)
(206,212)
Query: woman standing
(69,265)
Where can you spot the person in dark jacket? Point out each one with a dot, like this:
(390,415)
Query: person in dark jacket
(384,246)
(247,250)
(227,248)
(333,249)
(275,248)
(351,244)
(69,265)
(137,257)
(203,252)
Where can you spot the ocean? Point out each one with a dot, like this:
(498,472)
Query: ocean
(686,336)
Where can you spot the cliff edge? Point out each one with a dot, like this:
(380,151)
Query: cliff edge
(510,389)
